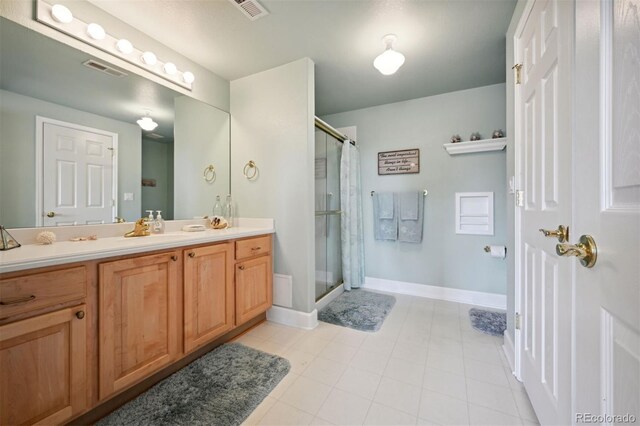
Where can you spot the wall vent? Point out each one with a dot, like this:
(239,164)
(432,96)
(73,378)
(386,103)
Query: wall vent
(154,136)
(99,66)
(250,8)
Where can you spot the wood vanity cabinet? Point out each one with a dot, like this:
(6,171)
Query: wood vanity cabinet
(138,318)
(43,362)
(208,294)
(254,278)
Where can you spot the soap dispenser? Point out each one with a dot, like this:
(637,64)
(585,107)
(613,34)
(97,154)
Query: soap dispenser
(158,225)
(150,217)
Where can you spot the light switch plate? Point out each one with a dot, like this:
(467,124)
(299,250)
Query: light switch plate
(128,196)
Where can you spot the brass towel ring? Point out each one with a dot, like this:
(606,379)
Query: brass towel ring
(248,169)
(209,174)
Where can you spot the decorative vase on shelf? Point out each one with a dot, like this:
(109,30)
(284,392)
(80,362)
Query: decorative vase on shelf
(456,139)
(497,134)
(475,136)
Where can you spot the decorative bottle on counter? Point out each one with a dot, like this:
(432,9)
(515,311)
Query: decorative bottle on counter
(228,211)
(217,207)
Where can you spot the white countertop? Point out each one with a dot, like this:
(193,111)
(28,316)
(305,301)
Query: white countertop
(36,255)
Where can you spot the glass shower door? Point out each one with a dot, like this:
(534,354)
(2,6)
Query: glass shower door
(327,199)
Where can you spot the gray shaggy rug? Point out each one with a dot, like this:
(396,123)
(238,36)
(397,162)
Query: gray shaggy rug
(358,309)
(488,322)
(221,388)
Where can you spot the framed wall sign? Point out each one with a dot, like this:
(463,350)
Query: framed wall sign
(399,162)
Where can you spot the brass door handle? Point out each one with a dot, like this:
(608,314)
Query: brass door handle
(192,255)
(562,233)
(241,267)
(586,250)
(18,300)
(255,248)
(80,314)
(51,214)
(174,258)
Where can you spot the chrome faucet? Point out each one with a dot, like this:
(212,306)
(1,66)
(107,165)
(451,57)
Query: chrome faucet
(141,229)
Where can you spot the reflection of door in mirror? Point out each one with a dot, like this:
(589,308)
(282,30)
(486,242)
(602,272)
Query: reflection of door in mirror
(79,164)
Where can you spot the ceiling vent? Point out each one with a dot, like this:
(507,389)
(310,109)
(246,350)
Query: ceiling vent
(99,66)
(154,136)
(250,8)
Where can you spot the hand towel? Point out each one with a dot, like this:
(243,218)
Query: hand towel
(409,205)
(386,204)
(384,229)
(410,230)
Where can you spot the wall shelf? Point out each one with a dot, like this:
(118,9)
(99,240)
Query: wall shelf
(475,146)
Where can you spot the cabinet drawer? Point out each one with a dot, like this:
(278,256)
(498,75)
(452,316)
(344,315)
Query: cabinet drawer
(253,247)
(35,291)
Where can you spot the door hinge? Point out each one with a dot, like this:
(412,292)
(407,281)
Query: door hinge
(113,202)
(519,198)
(516,73)
(517,321)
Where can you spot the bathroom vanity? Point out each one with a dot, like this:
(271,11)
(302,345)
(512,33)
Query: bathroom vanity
(78,334)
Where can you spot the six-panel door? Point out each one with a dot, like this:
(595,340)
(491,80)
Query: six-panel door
(138,319)
(208,294)
(253,288)
(44,368)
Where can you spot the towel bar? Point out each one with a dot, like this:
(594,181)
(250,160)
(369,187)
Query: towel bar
(424,192)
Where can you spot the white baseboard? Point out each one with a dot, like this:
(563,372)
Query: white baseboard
(487,300)
(330,297)
(292,318)
(509,350)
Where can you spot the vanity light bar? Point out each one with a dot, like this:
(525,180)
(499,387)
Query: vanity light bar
(60,18)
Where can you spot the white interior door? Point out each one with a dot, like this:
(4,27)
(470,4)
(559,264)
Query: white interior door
(78,184)
(543,122)
(607,206)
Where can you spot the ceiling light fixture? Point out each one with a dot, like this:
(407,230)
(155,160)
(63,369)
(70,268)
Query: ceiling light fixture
(61,14)
(96,32)
(124,46)
(147,123)
(389,61)
(149,58)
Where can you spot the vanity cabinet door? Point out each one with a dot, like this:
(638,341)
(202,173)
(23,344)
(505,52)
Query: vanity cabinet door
(208,294)
(138,319)
(253,288)
(44,368)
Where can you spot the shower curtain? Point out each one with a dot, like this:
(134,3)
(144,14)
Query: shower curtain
(351,222)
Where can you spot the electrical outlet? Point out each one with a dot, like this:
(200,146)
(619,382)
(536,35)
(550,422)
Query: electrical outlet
(128,196)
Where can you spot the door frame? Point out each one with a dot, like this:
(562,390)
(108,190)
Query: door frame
(40,122)
(518,177)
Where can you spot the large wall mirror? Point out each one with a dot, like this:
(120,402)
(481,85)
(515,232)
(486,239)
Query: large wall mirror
(71,152)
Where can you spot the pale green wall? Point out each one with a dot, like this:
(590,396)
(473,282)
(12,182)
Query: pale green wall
(443,258)
(201,137)
(157,163)
(272,115)
(17,155)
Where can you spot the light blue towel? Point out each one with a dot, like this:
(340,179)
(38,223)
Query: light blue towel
(386,204)
(410,230)
(385,229)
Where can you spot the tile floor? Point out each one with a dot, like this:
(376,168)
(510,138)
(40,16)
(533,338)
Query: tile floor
(425,366)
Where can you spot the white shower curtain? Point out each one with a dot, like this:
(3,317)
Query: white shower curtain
(351,223)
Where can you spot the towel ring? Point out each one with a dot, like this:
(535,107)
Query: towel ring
(209,174)
(248,168)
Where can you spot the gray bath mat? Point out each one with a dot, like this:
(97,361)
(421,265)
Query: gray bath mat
(493,323)
(221,388)
(358,309)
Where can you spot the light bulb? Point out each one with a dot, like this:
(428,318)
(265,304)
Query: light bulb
(61,14)
(124,46)
(170,68)
(149,58)
(188,77)
(95,31)
(389,61)
(146,123)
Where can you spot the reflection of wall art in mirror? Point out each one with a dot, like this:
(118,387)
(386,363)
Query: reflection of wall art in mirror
(405,161)
(149,182)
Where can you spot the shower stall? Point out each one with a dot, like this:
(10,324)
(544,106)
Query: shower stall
(328,148)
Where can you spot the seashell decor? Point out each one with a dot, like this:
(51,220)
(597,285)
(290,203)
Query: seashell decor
(219,222)
(46,237)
